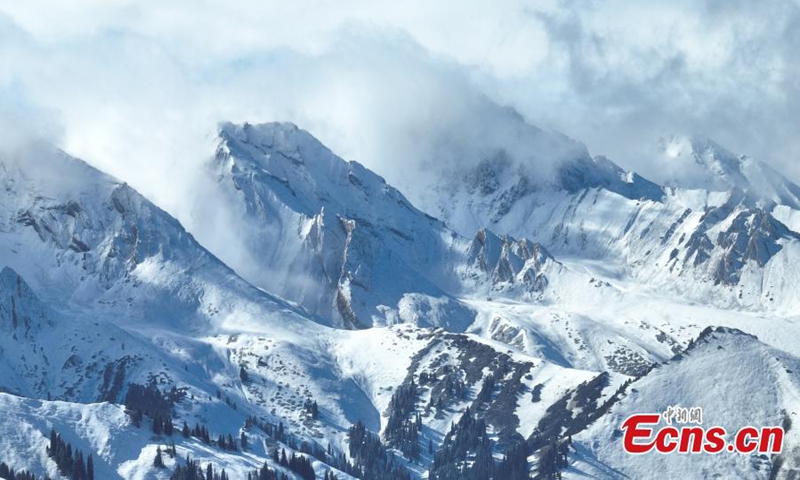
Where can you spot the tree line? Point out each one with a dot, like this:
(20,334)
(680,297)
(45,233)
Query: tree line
(70,462)
(9,473)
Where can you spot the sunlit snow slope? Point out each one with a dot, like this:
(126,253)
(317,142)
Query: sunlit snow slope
(546,304)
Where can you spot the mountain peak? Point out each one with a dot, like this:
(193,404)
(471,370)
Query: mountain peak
(696,161)
(248,129)
(699,162)
(303,172)
(284,138)
(600,172)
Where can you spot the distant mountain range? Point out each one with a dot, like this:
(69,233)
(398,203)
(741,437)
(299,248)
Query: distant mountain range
(316,322)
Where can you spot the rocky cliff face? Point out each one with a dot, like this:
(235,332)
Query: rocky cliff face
(365,255)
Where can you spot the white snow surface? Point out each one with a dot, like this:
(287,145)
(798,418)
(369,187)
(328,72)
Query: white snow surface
(332,286)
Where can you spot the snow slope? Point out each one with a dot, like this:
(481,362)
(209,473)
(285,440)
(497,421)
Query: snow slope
(542,290)
(100,288)
(336,238)
(760,386)
(720,239)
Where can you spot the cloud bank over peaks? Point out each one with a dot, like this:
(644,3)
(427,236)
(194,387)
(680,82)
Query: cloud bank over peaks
(137,88)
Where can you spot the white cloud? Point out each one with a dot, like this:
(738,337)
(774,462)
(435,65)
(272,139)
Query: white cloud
(140,85)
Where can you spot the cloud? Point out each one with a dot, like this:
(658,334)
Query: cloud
(637,72)
(23,124)
(402,86)
(136,109)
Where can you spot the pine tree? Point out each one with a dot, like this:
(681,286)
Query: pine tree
(90,468)
(158,462)
(136,418)
(79,467)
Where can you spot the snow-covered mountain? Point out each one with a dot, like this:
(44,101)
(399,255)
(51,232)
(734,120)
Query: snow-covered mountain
(697,162)
(315,310)
(729,243)
(761,385)
(336,238)
(121,295)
